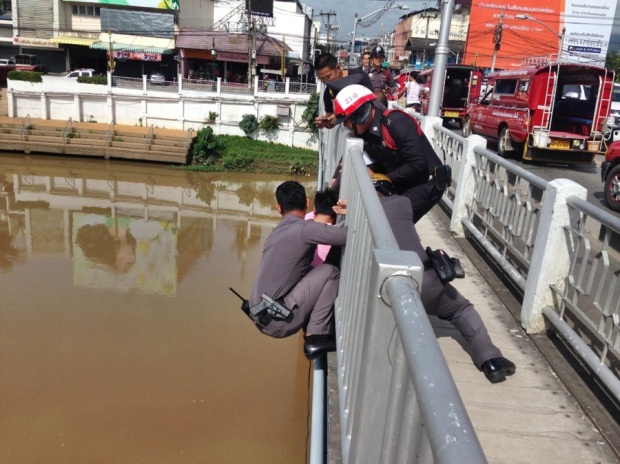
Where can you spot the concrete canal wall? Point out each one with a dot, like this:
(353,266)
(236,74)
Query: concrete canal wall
(168,106)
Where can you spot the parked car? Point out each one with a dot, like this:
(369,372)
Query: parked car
(610,175)
(6,62)
(613,121)
(157,78)
(550,111)
(25,62)
(86,72)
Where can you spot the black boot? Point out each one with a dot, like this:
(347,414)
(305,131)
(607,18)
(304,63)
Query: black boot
(316,345)
(458,269)
(497,369)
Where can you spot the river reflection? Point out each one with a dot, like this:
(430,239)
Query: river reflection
(119,339)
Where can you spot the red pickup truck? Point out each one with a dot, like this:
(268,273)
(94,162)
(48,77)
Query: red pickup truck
(610,175)
(545,111)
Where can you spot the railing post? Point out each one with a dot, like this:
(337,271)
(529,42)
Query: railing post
(144,83)
(427,123)
(256,85)
(180,83)
(218,87)
(287,85)
(465,184)
(552,254)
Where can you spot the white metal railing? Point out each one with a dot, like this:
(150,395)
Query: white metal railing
(393,403)
(536,232)
(562,252)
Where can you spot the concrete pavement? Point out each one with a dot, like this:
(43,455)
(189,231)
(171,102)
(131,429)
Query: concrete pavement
(531,418)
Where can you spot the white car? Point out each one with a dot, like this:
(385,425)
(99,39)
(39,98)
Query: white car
(157,78)
(87,72)
(6,62)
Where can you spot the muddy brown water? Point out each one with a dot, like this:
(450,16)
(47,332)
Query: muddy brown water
(119,339)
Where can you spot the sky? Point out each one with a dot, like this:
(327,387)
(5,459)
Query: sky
(345,15)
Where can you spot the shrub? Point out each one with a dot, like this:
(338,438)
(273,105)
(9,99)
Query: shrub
(269,123)
(97,80)
(248,124)
(212,116)
(206,146)
(29,76)
(311,112)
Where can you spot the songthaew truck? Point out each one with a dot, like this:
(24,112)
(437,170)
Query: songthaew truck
(461,87)
(545,111)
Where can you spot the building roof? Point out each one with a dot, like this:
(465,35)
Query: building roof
(232,43)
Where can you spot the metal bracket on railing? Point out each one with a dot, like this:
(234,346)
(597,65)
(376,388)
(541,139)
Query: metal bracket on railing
(68,130)
(401,273)
(148,140)
(25,128)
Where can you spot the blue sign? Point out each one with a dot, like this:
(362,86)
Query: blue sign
(572,48)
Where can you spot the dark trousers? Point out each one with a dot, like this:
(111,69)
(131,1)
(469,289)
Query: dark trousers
(423,197)
(445,302)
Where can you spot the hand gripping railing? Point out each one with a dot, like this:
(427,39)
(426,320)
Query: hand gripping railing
(398,401)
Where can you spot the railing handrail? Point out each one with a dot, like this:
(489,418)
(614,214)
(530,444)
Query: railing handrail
(148,139)
(25,127)
(188,139)
(374,421)
(68,130)
(109,134)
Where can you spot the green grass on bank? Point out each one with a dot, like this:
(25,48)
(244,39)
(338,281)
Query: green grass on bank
(230,153)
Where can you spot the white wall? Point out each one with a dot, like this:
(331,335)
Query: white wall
(61,98)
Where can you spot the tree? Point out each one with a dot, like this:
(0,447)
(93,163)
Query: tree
(613,62)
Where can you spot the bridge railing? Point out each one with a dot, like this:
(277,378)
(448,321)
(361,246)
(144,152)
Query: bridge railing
(559,250)
(394,403)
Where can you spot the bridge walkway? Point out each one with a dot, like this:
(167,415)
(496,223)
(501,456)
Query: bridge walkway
(531,417)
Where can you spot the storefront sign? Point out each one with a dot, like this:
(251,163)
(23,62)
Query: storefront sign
(140,56)
(33,42)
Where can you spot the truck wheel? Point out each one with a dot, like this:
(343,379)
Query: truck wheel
(504,145)
(466,127)
(612,189)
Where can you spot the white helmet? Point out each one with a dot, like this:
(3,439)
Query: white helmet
(355,102)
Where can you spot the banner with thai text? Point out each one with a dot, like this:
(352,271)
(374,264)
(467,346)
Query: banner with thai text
(505,33)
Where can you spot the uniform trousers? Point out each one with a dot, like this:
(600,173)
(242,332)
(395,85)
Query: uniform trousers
(423,197)
(312,304)
(445,302)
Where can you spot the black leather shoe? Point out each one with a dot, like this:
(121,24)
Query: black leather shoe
(316,345)
(458,269)
(497,369)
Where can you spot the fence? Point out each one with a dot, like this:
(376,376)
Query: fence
(536,232)
(393,403)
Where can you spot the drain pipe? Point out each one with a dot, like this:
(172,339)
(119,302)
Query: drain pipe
(317,431)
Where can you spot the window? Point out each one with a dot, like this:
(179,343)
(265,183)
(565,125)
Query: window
(82,10)
(6,6)
(505,86)
(524,86)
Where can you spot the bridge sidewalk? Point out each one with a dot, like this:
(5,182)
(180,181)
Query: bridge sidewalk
(531,417)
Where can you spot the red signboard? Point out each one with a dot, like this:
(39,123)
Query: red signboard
(519,37)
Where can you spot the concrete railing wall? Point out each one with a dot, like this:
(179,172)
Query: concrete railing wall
(172,107)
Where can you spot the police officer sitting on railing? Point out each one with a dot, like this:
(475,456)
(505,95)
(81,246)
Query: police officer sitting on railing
(288,294)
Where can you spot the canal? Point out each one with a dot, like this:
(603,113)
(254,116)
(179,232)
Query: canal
(119,339)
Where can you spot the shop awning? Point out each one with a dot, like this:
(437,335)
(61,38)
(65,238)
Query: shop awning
(130,48)
(69,40)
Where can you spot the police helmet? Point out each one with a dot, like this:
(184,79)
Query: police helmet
(377,50)
(382,184)
(354,102)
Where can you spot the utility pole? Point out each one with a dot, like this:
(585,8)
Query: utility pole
(497,39)
(328,26)
(251,44)
(428,18)
(283,60)
(111,62)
